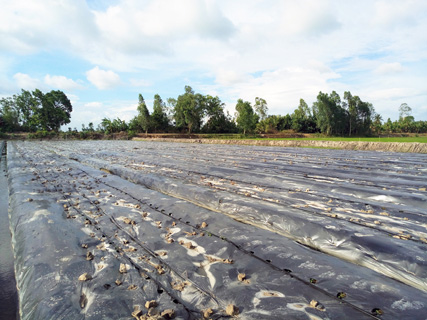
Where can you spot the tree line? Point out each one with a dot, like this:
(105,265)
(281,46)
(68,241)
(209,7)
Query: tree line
(34,111)
(193,112)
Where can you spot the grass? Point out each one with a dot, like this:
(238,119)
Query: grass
(420,139)
(371,139)
(410,138)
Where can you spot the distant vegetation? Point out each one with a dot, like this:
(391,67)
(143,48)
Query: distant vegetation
(42,115)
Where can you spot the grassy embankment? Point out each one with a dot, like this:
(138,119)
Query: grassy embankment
(314,137)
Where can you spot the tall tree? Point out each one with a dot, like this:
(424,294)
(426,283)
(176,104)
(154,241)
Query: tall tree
(302,119)
(351,104)
(28,108)
(246,117)
(9,115)
(159,118)
(261,108)
(48,111)
(404,111)
(143,114)
(189,110)
(329,113)
(217,121)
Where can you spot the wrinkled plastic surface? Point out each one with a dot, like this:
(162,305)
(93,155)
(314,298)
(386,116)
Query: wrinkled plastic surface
(315,223)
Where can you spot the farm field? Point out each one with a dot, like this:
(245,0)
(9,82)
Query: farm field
(158,230)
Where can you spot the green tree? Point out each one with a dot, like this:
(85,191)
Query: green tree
(27,107)
(143,115)
(9,115)
(52,110)
(271,124)
(330,116)
(159,118)
(302,119)
(351,104)
(261,108)
(216,120)
(377,124)
(189,110)
(246,117)
(365,115)
(404,111)
(106,126)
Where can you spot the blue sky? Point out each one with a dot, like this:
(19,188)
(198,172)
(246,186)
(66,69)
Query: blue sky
(102,54)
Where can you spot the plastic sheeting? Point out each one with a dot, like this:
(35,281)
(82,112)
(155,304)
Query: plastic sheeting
(332,228)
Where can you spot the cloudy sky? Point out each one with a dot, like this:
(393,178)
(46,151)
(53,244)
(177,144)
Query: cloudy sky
(103,53)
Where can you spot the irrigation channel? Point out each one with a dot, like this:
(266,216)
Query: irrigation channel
(156,230)
(8,294)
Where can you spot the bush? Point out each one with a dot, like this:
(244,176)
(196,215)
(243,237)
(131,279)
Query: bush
(131,134)
(42,134)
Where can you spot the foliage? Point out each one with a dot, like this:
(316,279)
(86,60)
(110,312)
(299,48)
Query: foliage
(113,126)
(302,119)
(35,111)
(143,117)
(334,117)
(404,111)
(9,115)
(159,119)
(43,134)
(216,120)
(261,108)
(189,110)
(274,123)
(246,117)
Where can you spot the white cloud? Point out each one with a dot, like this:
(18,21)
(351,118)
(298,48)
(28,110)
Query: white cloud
(140,83)
(281,50)
(103,79)
(31,26)
(61,82)
(94,104)
(308,17)
(25,81)
(389,68)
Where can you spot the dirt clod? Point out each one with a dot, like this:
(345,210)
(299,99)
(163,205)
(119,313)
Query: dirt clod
(269,294)
(207,313)
(150,304)
(241,277)
(187,245)
(83,301)
(85,277)
(137,312)
(168,314)
(180,286)
(127,220)
(123,268)
(232,310)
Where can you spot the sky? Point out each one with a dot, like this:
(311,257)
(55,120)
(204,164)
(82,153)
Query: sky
(104,53)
